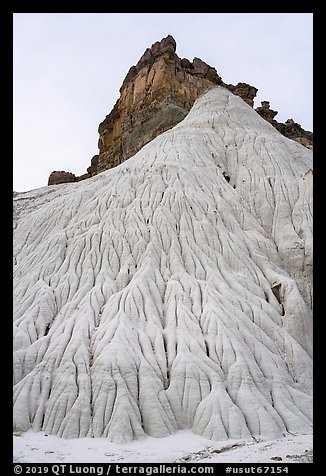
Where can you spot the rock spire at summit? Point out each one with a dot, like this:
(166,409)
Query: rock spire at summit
(156,94)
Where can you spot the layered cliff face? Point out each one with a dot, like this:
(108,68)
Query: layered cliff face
(173,291)
(156,94)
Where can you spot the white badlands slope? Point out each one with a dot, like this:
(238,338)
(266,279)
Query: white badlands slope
(173,291)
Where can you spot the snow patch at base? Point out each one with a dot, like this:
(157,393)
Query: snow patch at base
(181,447)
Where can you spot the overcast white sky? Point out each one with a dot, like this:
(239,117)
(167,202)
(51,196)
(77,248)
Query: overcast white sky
(68,68)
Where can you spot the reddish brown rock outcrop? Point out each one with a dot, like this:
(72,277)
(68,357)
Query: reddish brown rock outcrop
(244,90)
(157,93)
(294,131)
(289,128)
(57,177)
(61,176)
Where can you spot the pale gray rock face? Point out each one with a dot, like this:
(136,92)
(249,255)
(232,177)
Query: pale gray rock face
(173,291)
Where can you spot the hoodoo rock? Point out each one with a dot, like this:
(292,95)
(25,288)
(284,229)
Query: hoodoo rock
(266,112)
(289,128)
(174,290)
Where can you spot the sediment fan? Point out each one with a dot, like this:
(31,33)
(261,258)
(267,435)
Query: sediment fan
(173,291)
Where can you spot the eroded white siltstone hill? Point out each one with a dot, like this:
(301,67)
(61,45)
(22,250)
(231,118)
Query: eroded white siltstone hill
(173,291)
